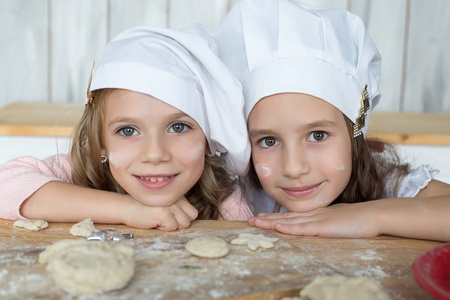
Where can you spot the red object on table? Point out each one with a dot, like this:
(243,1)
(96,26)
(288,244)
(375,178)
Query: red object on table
(431,270)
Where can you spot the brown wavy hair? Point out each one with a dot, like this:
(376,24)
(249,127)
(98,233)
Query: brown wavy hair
(374,165)
(213,187)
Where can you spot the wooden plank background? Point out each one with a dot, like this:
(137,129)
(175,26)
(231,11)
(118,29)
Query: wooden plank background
(47,47)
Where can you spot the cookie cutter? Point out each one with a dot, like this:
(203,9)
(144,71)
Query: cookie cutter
(109,235)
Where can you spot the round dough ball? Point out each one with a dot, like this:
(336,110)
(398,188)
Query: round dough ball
(342,288)
(208,246)
(89,266)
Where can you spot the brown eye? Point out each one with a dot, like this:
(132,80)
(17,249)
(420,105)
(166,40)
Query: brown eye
(268,142)
(318,136)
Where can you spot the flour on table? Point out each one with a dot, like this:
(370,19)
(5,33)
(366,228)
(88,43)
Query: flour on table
(34,225)
(254,241)
(84,267)
(207,246)
(341,288)
(83,228)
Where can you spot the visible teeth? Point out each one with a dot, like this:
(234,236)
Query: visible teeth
(155,179)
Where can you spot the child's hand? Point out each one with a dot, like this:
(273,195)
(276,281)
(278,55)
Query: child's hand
(169,218)
(339,221)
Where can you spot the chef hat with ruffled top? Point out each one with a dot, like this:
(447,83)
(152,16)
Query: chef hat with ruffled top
(181,68)
(281,46)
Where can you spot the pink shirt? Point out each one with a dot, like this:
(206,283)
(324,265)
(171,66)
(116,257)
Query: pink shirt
(21,177)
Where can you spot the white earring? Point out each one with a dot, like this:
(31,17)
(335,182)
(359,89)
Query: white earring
(104,159)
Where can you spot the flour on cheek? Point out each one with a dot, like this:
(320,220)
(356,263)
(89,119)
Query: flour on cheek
(115,158)
(337,162)
(196,152)
(263,170)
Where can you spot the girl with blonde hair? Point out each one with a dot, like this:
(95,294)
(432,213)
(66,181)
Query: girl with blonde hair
(153,149)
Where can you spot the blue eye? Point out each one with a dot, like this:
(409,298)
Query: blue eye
(268,142)
(128,131)
(178,128)
(317,136)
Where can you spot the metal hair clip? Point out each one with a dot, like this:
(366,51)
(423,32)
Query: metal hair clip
(365,107)
(90,99)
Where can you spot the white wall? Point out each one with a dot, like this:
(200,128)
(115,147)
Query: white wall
(47,47)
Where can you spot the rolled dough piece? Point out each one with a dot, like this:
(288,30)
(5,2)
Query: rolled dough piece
(83,228)
(342,288)
(84,267)
(207,246)
(254,241)
(34,225)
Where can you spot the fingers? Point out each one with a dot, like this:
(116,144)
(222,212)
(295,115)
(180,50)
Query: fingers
(288,214)
(269,223)
(184,213)
(306,229)
(190,211)
(178,215)
(167,223)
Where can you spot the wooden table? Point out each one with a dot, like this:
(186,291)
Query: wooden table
(58,119)
(166,271)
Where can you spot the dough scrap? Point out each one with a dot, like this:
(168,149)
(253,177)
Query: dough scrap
(34,225)
(342,288)
(85,267)
(83,228)
(207,246)
(254,241)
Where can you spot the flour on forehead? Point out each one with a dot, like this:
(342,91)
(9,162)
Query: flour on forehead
(196,151)
(263,170)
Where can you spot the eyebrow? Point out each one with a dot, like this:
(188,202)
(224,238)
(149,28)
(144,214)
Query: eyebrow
(133,120)
(309,126)
(320,123)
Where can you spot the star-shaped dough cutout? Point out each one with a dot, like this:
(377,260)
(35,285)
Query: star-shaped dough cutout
(254,241)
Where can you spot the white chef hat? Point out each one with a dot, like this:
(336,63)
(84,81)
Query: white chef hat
(280,46)
(182,69)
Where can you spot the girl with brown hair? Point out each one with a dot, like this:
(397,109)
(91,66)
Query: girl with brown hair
(310,78)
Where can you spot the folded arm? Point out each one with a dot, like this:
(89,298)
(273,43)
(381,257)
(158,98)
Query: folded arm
(425,216)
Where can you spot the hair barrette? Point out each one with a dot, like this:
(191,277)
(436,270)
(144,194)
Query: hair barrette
(365,107)
(90,99)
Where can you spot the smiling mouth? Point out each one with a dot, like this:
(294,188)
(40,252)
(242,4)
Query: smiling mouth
(156,182)
(301,192)
(156,178)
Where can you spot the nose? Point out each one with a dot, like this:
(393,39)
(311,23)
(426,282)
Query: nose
(155,150)
(294,162)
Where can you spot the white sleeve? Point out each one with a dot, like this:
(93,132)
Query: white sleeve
(415,181)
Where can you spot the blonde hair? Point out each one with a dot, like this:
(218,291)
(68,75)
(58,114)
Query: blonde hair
(213,187)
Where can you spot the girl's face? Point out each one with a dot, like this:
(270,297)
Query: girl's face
(301,150)
(155,151)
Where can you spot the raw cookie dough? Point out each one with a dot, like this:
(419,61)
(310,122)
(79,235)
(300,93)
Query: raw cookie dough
(342,288)
(208,246)
(83,228)
(34,225)
(82,267)
(254,241)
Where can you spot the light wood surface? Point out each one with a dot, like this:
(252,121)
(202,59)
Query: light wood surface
(166,270)
(58,119)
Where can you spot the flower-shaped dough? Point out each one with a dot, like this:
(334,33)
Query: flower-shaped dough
(254,241)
